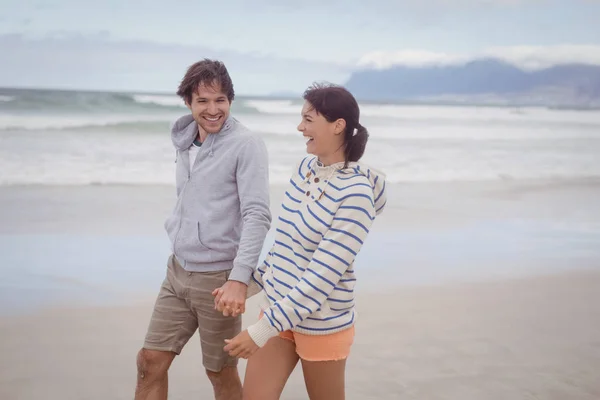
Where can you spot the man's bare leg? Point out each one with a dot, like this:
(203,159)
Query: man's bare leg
(226,384)
(152,374)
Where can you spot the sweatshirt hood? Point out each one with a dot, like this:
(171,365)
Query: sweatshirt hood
(185,130)
(375,177)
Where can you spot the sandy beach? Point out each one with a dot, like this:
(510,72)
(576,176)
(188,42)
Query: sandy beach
(467,291)
(531,338)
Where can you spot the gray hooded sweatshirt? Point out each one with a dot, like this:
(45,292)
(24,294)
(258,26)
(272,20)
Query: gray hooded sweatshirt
(222,213)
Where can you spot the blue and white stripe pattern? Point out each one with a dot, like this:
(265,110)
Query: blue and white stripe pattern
(307,278)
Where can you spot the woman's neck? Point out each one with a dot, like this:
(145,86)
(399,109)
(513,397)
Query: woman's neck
(331,159)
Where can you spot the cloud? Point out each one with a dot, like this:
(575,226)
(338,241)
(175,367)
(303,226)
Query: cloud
(526,57)
(409,58)
(75,61)
(539,57)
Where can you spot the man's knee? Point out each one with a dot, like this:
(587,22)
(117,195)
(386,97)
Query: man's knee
(152,364)
(227,376)
(225,373)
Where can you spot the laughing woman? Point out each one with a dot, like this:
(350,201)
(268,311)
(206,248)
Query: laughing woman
(307,280)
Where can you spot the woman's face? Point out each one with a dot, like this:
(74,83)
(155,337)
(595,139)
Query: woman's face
(324,138)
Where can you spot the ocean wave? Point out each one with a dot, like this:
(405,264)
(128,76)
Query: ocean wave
(160,100)
(133,123)
(125,122)
(148,175)
(284,107)
(282,179)
(478,114)
(71,102)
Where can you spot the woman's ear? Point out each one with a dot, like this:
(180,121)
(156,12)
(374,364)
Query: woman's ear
(340,126)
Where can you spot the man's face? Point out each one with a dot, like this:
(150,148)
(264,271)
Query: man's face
(210,107)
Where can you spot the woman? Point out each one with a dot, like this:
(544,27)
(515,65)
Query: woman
(307,280)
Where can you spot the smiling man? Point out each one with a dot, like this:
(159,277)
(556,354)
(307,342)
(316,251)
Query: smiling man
(217,230)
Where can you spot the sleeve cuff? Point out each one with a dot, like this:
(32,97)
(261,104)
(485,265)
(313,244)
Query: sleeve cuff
(241,274)
(253,287)
(262,331)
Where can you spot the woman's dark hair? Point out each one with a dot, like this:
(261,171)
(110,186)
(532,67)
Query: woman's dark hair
(208,72)
(334,102)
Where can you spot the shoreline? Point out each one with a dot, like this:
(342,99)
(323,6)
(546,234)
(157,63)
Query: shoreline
(500,180)
(98,243)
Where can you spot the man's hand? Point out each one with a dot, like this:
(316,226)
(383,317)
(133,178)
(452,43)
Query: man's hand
(230,299)
(241,346)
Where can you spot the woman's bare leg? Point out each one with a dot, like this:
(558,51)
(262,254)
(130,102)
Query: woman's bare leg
(269,369)
(325,380)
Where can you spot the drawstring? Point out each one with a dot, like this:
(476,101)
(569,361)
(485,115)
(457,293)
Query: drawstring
(225,126)
(210,152)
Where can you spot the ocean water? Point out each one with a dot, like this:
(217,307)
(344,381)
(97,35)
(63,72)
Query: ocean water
(83,138)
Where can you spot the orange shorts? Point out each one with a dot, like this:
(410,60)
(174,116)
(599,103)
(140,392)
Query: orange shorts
(332,347)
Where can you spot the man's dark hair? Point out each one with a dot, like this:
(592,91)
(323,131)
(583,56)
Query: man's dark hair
(207,72)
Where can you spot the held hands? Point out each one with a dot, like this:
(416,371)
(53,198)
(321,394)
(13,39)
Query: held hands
(241,346)
(230,299)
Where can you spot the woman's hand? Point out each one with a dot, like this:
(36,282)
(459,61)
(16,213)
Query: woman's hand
(241,346)
(230,299)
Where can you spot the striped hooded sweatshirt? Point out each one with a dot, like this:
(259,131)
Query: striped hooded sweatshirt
(308,278)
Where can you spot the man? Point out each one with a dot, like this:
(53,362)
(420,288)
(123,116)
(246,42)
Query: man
(217,230)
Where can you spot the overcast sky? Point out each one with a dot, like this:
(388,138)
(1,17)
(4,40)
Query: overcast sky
(271,45)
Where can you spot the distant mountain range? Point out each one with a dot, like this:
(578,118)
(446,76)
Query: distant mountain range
(487,81)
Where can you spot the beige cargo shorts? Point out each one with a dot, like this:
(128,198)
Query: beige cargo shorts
(184,304)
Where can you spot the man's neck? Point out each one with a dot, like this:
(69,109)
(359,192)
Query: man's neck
(202,134)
